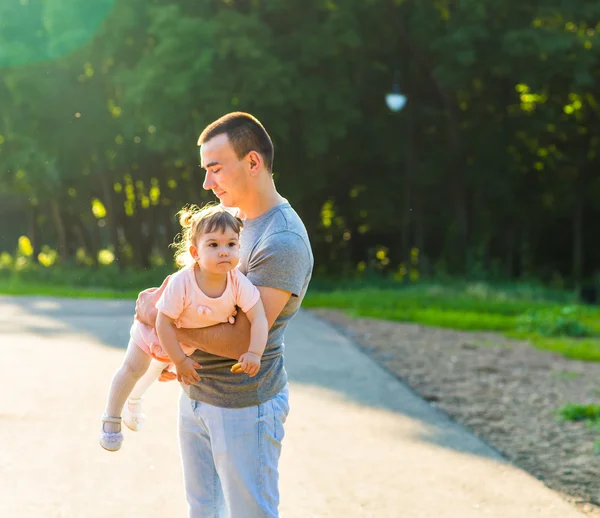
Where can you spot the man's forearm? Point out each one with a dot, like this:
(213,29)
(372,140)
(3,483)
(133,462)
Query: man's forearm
(227,340)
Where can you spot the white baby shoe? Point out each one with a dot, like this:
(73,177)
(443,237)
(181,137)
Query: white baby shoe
(111,441)
(133,416)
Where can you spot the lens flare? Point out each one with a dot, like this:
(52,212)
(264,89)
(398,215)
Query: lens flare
(34,31)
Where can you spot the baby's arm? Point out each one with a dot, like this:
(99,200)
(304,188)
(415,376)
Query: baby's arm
(259,330)
(186,367)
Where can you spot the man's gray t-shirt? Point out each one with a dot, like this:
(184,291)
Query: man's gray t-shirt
(275,252)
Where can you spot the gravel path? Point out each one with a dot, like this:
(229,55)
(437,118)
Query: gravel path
(505,391)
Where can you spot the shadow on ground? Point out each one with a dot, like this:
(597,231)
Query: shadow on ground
(316,355)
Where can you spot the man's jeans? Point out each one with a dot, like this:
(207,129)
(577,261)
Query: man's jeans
(230,457)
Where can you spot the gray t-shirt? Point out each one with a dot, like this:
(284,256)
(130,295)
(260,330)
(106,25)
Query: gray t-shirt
(275,252)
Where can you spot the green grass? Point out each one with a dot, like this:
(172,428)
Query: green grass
(586,349)
(565,375)
(455,319)
(477,307)
(20,288)
(589,414)
(455,305)
(572,412)
(105,282)
(432,305)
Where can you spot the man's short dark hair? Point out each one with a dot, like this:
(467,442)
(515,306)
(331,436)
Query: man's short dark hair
(244,132)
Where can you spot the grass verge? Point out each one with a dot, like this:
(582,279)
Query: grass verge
(475,307)
(454,305)
(76,292)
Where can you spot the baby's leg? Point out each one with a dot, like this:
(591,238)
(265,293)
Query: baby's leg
(134,366)
(133,416)
(147,379)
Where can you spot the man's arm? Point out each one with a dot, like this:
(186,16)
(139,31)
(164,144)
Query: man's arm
(233,340)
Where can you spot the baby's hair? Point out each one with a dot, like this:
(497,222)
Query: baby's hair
(195,222)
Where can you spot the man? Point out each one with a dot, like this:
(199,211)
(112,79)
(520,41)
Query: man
(231,425)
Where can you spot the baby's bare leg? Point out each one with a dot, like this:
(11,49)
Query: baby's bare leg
(134,366)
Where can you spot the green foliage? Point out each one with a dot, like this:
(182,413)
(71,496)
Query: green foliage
(489,172)
(574,412)
(458,306)
(554,322)
(566,375)
(77,277)
(34,31)
(575,348)
(471,307)
(17,288)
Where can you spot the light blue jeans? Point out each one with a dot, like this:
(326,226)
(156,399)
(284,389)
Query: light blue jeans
(230,457)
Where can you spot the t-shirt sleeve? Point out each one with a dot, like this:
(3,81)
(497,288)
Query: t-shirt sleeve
(281,261)
(172,300)
(246,294)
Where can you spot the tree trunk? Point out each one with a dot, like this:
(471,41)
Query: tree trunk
(147,222)
(111,217)
(59,226)
(89,242)
(33,230)
(509,264)
(133,233)
(169,229)
(407,189)
(578,231)
(459,188)
(525,253)
(420,234)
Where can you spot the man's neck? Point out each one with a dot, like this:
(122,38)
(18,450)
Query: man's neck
(260,202)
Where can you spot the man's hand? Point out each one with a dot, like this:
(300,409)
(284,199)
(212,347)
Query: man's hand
(145,305)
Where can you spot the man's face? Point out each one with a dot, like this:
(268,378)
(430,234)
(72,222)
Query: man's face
(225,173)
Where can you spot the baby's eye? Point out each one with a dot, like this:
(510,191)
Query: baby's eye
(212,244)
(233,243)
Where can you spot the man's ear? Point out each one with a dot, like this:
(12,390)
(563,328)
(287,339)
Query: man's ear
(255,162)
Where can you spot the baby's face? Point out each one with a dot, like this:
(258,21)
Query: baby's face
(217,252)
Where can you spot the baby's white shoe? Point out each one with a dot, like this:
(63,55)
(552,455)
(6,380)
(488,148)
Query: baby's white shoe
(133,416)
(111,441)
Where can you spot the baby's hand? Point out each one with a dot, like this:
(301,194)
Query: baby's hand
(250,363)
(186,371)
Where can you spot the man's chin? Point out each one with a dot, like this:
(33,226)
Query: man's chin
(225,204)
(224,201)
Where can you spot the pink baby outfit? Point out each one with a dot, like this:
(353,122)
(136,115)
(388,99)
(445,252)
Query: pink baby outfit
(183,301)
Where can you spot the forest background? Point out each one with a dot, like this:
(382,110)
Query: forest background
(490,172)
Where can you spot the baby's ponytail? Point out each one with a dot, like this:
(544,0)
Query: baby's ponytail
(186,215)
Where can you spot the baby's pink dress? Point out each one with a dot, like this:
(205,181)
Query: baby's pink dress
(183,301)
